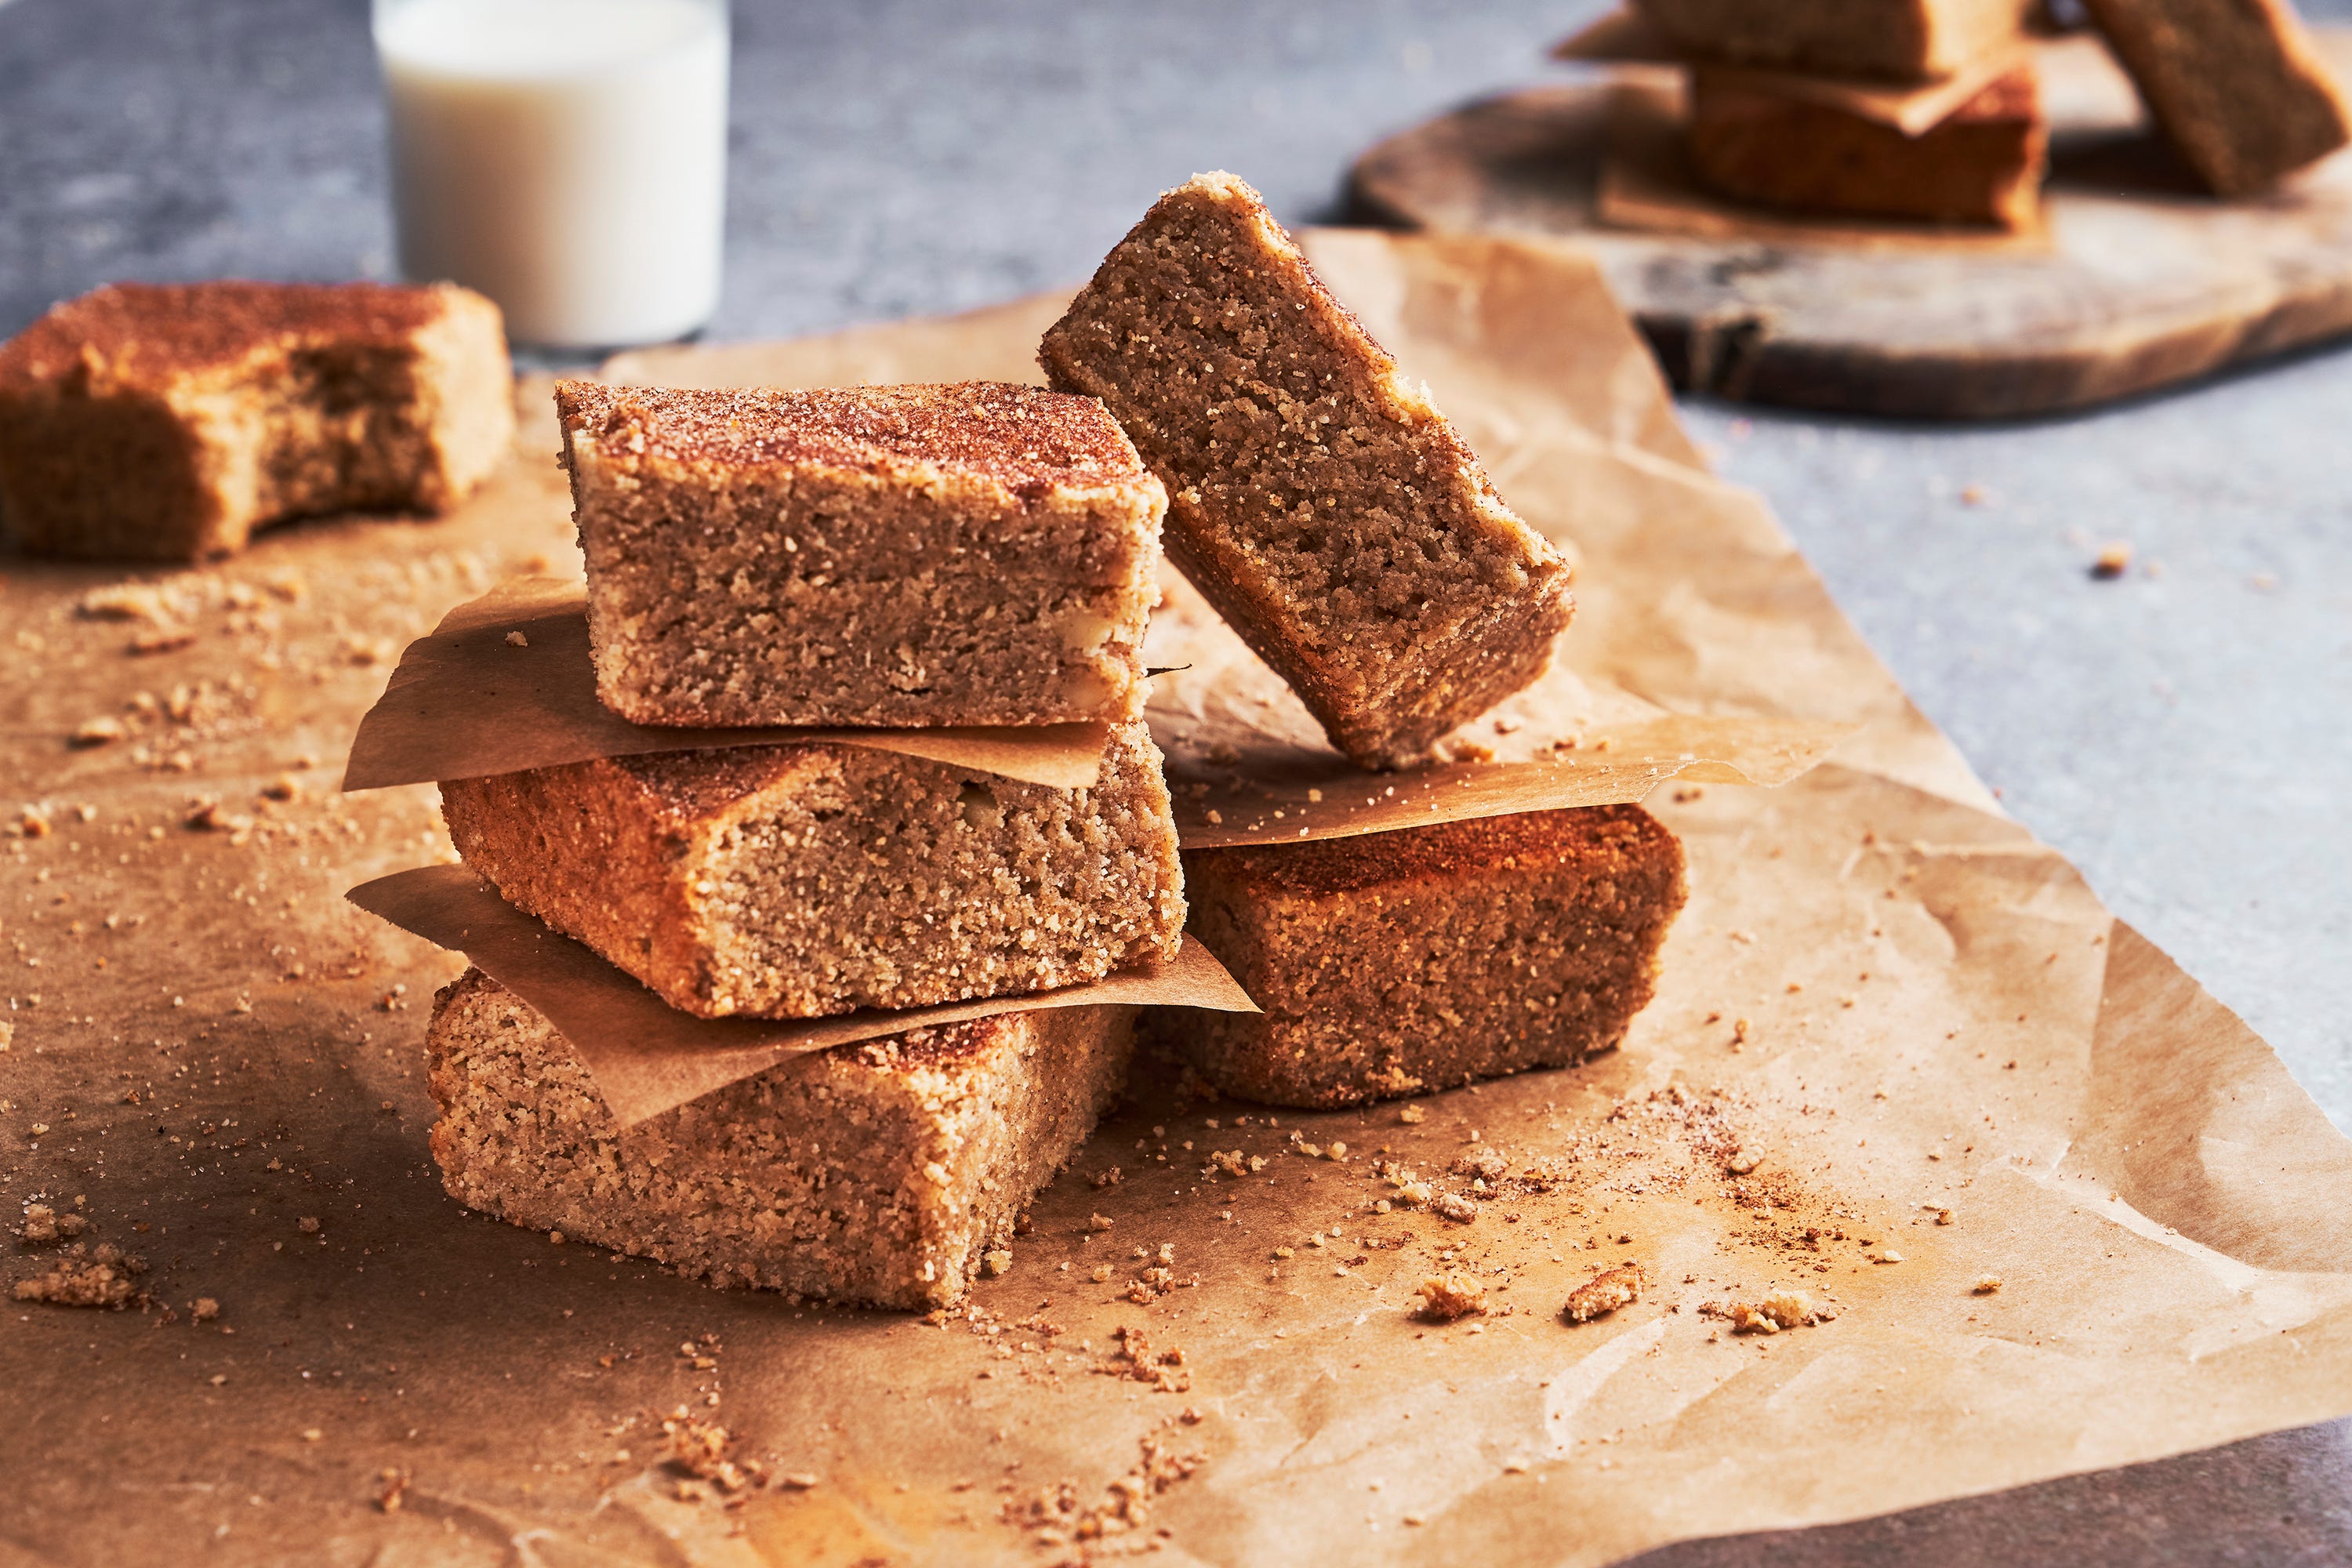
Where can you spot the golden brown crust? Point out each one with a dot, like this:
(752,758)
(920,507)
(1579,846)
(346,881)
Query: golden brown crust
(1447,851)
(586,848)
(148,334)
(889,557)
(940,1046)
(2013,95)
(1021,437)
(1405,963)
(678,790)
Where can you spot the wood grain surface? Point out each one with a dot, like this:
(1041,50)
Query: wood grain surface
(2147,281)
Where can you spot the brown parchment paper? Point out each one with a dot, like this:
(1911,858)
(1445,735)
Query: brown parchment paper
(506,683)
(1626,38)
(1647,183)
(2156,1195)
(647,1057)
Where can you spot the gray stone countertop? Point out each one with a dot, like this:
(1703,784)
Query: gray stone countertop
(2184,733)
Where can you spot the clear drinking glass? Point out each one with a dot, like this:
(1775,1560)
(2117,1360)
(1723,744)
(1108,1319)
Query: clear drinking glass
(567,158)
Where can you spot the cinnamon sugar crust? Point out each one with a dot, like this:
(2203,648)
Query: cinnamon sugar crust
(147,335)
(1318,500)
(966,553)
(1021,437)
(881,1172)
(167,422)
(1405,963)
(1442,853)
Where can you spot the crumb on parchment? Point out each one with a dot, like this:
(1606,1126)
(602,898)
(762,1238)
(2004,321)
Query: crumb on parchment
(1134,1358)
(1456,1208)
(1054,1515)
(79,1277)
(704,1452)
(1485,1163)
(1605,1292)
(1446,1297)
(44,1226)
(1786,1309)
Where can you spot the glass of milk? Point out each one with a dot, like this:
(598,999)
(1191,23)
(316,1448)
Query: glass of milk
(567,158)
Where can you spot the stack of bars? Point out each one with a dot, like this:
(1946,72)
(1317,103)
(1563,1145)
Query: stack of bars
(985,554)
(1914,109)
(876,558)
(1931,111)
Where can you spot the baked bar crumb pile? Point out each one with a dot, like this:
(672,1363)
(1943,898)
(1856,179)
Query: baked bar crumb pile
(879,1173)
(1318,499)
(167,422)
(801,880)
(968,554)
(1405,963)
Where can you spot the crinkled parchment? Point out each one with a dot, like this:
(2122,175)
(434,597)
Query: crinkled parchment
(506,683)
(1883,1004)
(645,1056)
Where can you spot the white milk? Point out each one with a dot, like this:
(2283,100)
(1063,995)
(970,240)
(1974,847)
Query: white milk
(567,158)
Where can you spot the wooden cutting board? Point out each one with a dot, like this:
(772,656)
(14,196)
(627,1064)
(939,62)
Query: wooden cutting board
(2144,281)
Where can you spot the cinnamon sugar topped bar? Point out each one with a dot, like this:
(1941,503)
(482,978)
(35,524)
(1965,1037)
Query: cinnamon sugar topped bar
(966,553)
(166,422)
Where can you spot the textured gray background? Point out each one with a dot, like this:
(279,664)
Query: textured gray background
(2185,736)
